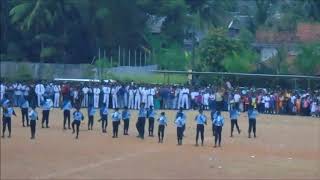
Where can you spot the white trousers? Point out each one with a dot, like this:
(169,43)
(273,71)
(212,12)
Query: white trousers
(39,98)
(114,101)
(150,101)
(56,100)
(185,101)
(96,100)
(137,102)
(106,99)
(1,95)
(179,105)
(85,100)
(131,102)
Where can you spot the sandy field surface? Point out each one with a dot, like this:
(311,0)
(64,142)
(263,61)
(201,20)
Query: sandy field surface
(286,147)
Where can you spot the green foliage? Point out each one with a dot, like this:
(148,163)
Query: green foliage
(48,52)
(210,13)
(308,61)
(246,37)
(279,64)
(45,71)
(172,58)
(243,61)
(263,7)
(89,73)
(14,51)
(102,63)
(23,73)
(214,48)
(174,25)
(72,31)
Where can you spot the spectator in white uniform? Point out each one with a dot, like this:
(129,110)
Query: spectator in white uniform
(39,90)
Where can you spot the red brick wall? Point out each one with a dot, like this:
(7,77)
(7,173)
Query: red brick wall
(264,36)
(308,32)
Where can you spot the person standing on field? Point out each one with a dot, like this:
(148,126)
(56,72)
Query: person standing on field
(234,114)
(252,115)
(218,122)
(201,120)
(77,118)
(33,116)
(162,123)
(126,119)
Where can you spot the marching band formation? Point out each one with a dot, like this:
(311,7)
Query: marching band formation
(146,99)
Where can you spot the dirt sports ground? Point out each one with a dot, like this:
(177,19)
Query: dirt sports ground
(286,147)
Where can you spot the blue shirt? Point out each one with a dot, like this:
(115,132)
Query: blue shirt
(142,113)
(9,112)
(201,119)
(179,122)
(126,115)
(47,104)
(213,115)
(25,104)
(116,116)
(91,111)
(234,114)
(162,120)
(184,117)
(4,102)
(78,116)
(33,115)
(219,121)
(104,111)
(151,113)
(67,105)
(252,114)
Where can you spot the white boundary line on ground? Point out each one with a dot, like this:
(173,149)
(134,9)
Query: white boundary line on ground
(92,165)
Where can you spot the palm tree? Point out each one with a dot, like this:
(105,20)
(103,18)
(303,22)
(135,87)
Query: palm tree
(45,20)
(4,26)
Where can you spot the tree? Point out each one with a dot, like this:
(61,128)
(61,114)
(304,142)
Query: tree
(262,12)
(214,48)
(172,58)
(39,19)
(244,61)
(308,60)
(173,26)
(4,26)
(210,13)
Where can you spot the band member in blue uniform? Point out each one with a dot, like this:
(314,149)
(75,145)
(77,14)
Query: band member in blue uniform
(116,117)
(33,117)
(162,120)
(91,113)
(66,107)
(218,122)
(24,111)
(7,114)
(142,114)
(77,118)
(126,119)
(151,115)
(104,117)
(201,120)
(252,115)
